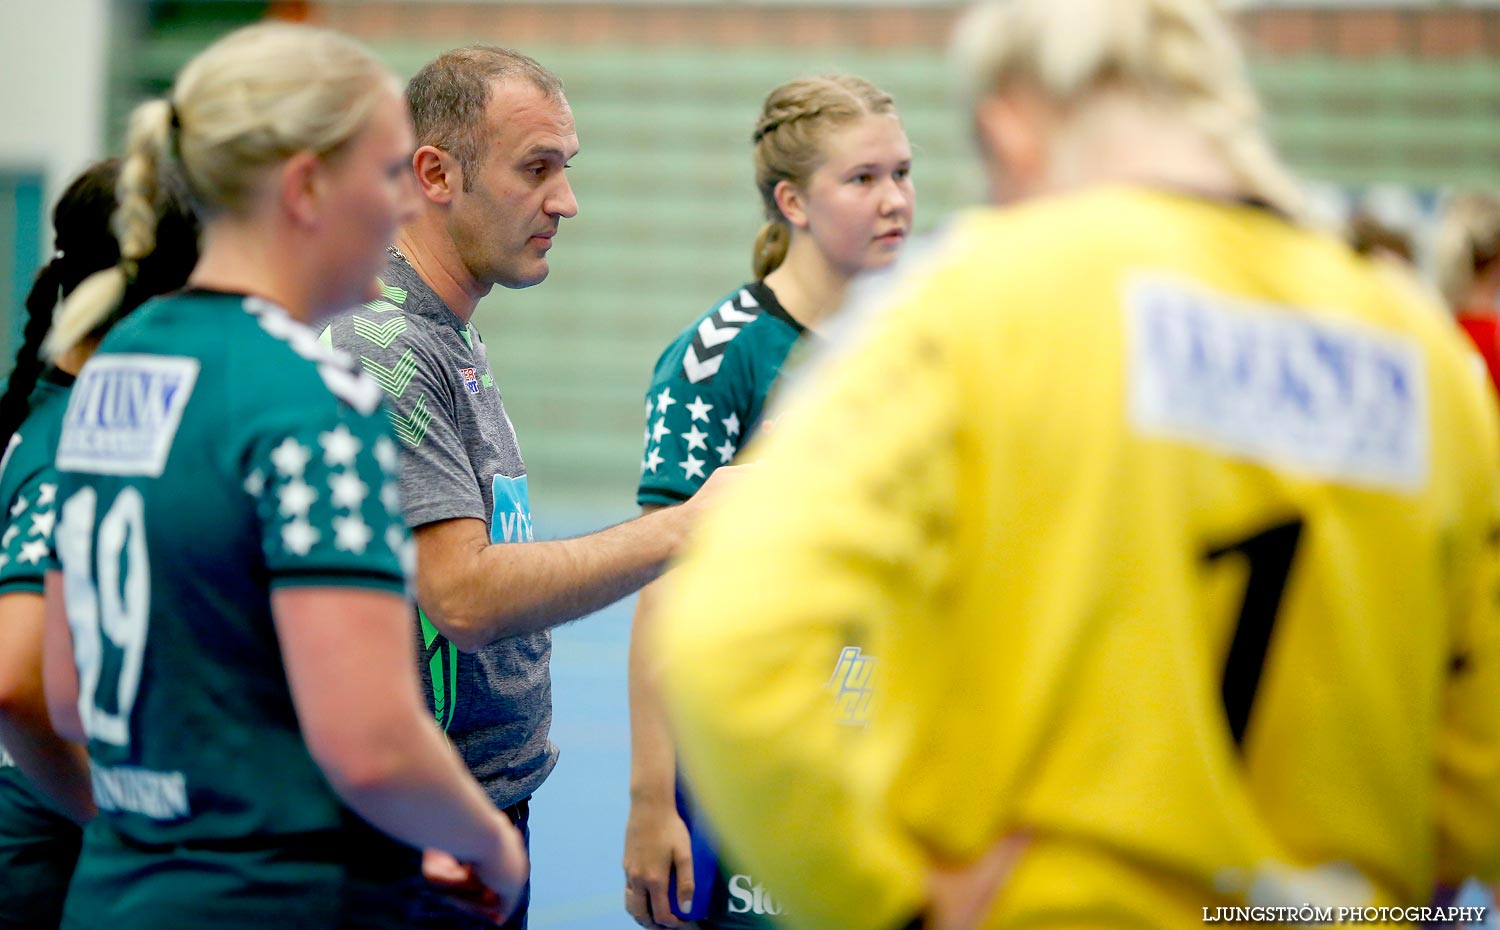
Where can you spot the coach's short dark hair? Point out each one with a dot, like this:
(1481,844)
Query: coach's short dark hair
(449,95)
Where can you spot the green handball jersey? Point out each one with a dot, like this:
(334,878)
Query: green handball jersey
(213,452)
(38,845)
(709,390)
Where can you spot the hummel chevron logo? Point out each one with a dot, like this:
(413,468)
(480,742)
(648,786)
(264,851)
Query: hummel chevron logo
(710,335)
(413,429)
(379,306)
(729,313)
(382,334)
(705,355)
(700,370)
(393,380)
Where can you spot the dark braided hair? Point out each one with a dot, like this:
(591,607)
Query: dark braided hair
(85,243)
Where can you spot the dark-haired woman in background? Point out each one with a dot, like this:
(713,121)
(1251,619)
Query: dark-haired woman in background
(44,784)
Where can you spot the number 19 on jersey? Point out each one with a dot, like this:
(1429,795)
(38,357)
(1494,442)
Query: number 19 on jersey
(107,585)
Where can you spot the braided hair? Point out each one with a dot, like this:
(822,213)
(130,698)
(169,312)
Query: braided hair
(788,138)
(85,244)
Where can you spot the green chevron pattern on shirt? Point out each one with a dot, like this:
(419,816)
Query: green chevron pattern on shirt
(393,381)
(382,334)
(392,293)
(413,429)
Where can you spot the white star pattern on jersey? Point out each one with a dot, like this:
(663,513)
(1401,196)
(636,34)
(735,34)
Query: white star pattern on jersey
(664,400)
(653,459)
(42,522)
(348,490)
(726,452)
(19,508)
(405,549)
(696,439)
(11,533)
(46,495)
(299,536)
(385,454)
(692,467)
(339,447)
(351,534)
(699,409)
(295,498)
(648,408)
(660,430)
(4,560)
(32,552)
(390,496)
(291,458)
(732,424)
(255,483)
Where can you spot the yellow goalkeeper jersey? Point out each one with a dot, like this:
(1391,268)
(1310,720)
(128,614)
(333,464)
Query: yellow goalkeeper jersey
(1175,527)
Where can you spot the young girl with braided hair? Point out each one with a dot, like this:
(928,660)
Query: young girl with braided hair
(44,785)
(833,168)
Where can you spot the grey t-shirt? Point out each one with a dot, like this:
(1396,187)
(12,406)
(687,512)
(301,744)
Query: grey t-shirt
(460,459)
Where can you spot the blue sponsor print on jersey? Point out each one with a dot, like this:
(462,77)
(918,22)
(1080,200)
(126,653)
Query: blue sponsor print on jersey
(471,380)
(124,412)
(1277,386)
(853,687)
(511,521)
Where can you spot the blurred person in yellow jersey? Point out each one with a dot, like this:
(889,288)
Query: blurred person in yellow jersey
(1175,524)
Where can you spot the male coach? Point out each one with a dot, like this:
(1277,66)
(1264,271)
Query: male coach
(494,134)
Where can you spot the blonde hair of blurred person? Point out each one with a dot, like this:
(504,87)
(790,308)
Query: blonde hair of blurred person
(1077,92)
(292,143)
(1466,255)
(1089,711)
(833,168)
(1466,264)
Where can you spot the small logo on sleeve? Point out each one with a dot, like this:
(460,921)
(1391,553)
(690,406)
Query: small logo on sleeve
(511,519)
(471,379)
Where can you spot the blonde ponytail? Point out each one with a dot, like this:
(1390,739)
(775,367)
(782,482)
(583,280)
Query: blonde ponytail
(770,248)
(135,220)
(239,108)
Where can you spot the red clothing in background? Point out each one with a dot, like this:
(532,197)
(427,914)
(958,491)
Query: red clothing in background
(1484,330)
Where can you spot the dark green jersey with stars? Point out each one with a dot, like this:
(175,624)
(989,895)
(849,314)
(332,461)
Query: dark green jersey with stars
(708,393)
(38,845)
(212,453)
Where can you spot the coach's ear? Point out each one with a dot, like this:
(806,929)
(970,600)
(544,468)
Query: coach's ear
(439,176)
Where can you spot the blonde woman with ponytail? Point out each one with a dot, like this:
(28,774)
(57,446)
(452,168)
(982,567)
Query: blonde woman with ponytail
(226,626)
(1173,523)
(44,780)
(833,168)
